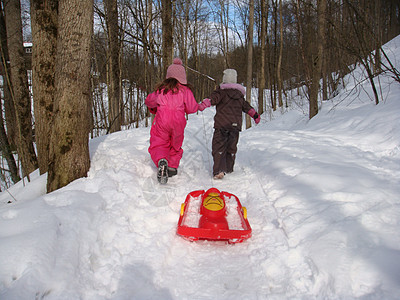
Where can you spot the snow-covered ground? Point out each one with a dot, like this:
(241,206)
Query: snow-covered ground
(322,196)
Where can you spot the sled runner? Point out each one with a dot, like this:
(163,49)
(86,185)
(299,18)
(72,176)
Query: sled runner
(213,215)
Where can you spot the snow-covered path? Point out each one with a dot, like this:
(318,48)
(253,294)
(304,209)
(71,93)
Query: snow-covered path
(322,198)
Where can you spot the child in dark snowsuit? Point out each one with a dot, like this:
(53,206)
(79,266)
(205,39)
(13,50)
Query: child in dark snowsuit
(230,103)
(171,100)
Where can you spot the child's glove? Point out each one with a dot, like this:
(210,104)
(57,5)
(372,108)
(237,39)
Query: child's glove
(203,105)
(252,112)
(153,110)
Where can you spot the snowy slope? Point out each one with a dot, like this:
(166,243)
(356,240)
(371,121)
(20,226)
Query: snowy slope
(322,197)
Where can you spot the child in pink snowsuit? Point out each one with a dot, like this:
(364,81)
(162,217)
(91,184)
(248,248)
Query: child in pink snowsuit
(169,102)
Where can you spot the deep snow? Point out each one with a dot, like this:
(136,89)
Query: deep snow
(322,198)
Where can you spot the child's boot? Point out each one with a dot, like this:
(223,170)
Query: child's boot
(172,171)
(162,174)
(220,175)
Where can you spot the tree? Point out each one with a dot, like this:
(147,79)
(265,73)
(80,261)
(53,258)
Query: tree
(279,67)
(9,109)
(114,100)
(262,41)
(317,63)
(273,54)
(5,145)
(182,24)
(69,142)
(20,90)
(6,152)
(306,74)
(223,13)
(44,18)
(364,43)
(249,76)
(167,37)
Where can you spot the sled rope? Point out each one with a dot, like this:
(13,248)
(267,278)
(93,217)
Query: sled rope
(11,195)
(208,156)
(202,114)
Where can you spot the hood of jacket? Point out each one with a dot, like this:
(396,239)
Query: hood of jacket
(233,86)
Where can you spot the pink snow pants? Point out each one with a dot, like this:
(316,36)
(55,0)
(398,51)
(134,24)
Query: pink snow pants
(166,141)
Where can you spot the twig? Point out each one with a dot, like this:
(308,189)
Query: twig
(197,72)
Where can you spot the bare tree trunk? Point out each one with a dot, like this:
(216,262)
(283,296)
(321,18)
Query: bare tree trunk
(149,83)
(167,38)
(44,35)
(5,145)
(263,32)
(279,68)
(114,100)
(7,153)
(9,109)
(186,34)
(378,36)
(249,75)
(69,147)
(274,55)
(324,79)
(317,63)
(146,47)
(20,90)
(224,12)
(270,77)
(301,44)
(199,92)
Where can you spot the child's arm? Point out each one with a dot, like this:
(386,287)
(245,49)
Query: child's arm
(191,105)
(248,109)
(204,104)
(151,101)
(215,97)
(252,113)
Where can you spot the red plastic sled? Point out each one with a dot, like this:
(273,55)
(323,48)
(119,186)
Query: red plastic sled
(213,215)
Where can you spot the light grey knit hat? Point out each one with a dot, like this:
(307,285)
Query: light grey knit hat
(230,76)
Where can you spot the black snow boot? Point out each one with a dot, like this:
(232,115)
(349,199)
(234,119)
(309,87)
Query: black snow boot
(162,174)
(172,171)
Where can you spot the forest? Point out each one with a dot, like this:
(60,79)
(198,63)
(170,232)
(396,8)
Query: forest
(92,64)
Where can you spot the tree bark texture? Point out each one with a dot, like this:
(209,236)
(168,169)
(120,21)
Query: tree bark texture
(249,75)
(114,101)
(263,33)
(7,153)
(279,68)
(44,15)
(9,109)
(317,63)
(7,142)
(69,146)
(167,37)
(20,90)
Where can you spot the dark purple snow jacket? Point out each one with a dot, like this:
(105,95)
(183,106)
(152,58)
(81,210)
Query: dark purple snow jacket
(230,103)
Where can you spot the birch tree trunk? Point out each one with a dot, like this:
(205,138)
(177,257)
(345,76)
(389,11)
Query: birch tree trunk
(69,147)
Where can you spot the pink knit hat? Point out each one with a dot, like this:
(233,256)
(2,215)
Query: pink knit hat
(177,71)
